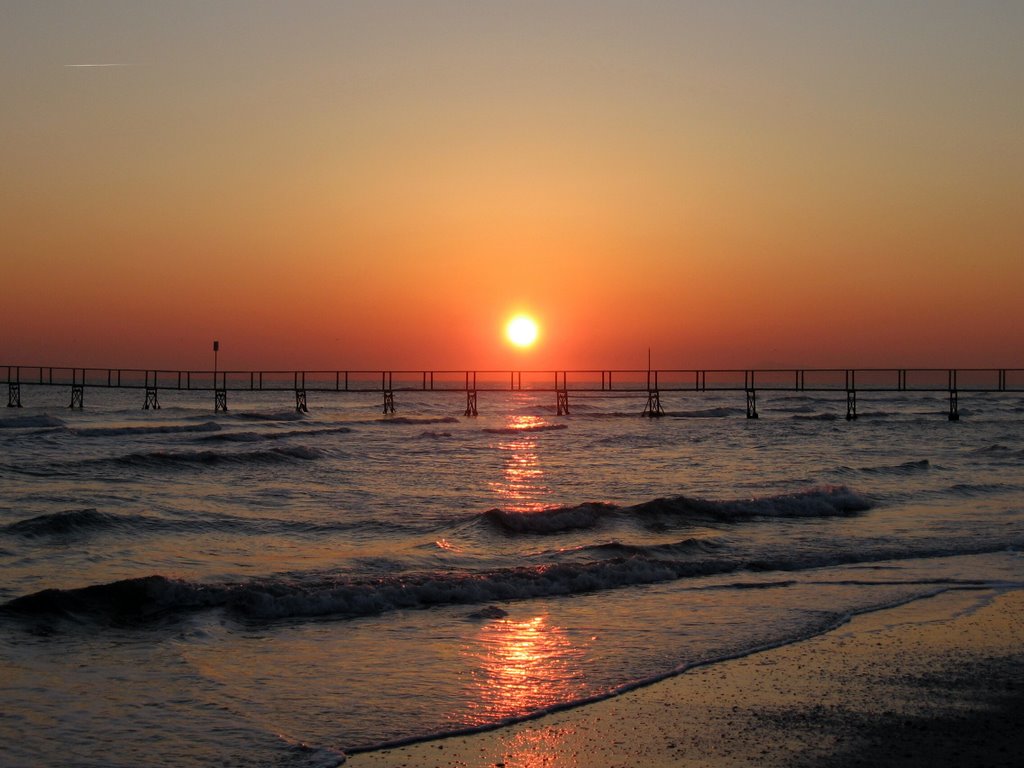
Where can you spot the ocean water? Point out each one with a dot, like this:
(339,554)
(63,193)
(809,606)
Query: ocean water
(261,587)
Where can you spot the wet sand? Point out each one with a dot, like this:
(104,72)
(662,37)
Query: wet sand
(937,682)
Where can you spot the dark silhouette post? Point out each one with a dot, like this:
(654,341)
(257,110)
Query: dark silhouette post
(220,394)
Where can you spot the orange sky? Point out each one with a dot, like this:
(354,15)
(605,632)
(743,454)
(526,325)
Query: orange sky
(381,185)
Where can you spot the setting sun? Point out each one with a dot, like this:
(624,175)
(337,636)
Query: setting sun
(521,331)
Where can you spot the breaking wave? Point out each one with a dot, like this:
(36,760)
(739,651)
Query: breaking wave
(41,421)
(526,428)
(255,437)
(552,520)
(65,524)
(139,600)
(419,420)
(165,429)
(831,501)
(169,459)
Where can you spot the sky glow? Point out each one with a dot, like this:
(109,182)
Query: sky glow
(379,185)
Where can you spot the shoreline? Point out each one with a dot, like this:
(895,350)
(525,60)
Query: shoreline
(936,681)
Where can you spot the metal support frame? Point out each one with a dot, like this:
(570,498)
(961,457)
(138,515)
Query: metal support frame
(300,401)
(851,404)
(562,402)
(13,395)
(954,405)
(77,392)
(470,402)
(152,401)
(389,401)
(752,404)
(653,408)
(220,400)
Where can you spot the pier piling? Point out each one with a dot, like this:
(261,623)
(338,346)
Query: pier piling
(653,408)
(752,404)
(470,403)
(13,395)
(562,402)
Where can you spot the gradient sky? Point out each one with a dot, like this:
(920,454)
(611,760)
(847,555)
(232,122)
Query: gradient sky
(363,185)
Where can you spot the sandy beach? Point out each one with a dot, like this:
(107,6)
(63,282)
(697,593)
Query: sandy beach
(936,682)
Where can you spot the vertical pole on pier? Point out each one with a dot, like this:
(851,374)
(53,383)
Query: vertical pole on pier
(220,394)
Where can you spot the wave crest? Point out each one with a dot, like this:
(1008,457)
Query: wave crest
(69,522)
(551,520)
(41,421)
(167,459)
(830,501)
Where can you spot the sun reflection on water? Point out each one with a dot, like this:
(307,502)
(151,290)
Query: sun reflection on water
(521,488)
(519,667)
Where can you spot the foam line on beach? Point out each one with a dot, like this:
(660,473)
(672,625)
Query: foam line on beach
(830,626)
(484,748)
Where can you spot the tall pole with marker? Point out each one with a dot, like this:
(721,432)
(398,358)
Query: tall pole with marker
(220,394)
(653,407)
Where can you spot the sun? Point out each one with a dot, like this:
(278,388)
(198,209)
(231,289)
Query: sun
(521,330)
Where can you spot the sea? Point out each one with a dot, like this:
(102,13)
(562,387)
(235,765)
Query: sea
(265,587)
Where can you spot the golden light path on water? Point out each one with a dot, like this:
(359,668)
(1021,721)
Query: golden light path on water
(518,665)
(521,488)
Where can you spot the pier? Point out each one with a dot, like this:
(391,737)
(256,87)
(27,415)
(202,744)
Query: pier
(565,385)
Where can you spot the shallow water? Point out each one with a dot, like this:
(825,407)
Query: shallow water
(181,587)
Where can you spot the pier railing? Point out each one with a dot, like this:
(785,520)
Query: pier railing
(623,382)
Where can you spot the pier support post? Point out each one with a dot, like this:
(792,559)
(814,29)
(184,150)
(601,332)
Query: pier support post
(389,401)
(653,408)
(851,404)
(13,395)
(300,401)
(562,402)
(954,405)
(220,400)
(470,402)
(77,391)
(151,400)
(752,404)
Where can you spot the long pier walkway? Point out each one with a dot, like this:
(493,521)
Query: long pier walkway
(649,384)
